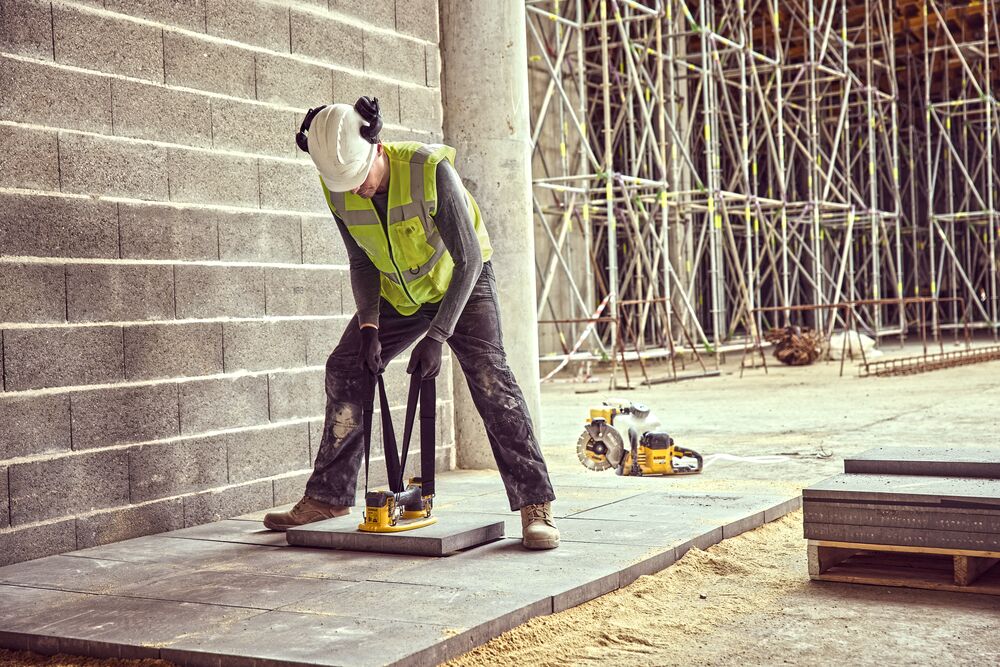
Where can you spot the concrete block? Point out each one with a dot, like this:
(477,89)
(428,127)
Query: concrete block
(237,531)
(125,523)
(21,544)
(394,57)
(26,29)
(421,108)
(215,291)
(31,425)
(291,82)
(322,336)
(260,237)
(905,489)
(267,452)
(52,226)
(249,22)
(112,167)
(906,537)
(4,498)
(875,516)
(54,97)
(47,489)
(291,186)
(176,468)
(37,358)
(305,291)
(158,113)
(348,87)
(105,44)
(224,403)
(934,461)
(221,504)
(322,242)
(256,346)
(381,13)
(105,417)
(172,350)
(219,68)
(254,128)
(29,159)
(291,488)
(119,292)
(32,293)
(153,231)
(296,395)
(451,533)
(189,14)
(418,18)
(201,177)
(320,37)
(432,58)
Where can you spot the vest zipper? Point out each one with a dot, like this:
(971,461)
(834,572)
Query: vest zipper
(385,230)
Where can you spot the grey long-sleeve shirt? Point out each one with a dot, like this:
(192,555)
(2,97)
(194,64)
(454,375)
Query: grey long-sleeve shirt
(455,224)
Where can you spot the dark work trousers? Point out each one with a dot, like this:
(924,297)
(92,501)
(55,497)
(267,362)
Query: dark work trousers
(478,346)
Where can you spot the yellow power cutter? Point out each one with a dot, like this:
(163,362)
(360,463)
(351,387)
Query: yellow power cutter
(650,452)
(398,509)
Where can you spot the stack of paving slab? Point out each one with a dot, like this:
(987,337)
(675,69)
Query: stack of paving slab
(914,497)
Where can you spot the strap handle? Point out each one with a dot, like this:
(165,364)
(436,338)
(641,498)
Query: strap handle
(421,391)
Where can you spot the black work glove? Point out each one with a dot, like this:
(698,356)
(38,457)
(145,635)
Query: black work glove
(370,354)
(427,357)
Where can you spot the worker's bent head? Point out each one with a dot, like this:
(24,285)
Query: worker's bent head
(342,141)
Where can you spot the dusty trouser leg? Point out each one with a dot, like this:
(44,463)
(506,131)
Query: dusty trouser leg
(478,346)
(341,449)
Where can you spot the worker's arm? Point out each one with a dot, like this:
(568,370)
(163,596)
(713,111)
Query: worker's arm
(455,224)
(365,279)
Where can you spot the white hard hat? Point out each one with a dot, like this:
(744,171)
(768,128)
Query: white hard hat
(342,156)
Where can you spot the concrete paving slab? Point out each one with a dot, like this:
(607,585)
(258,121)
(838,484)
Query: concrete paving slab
(697,508)
(138,627)
(286,638)
(235,589)
(936,461)
(192,554)
(909,537)
(452,532)
(231,530)
(907,489)
(84,575)
(436,605)
(902,516)
(317,563)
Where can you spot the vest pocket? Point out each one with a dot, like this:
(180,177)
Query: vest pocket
(411,242)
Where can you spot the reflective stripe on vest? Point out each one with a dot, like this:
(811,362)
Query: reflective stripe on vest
(409,252)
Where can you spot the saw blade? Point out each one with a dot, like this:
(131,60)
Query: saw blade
(600,447)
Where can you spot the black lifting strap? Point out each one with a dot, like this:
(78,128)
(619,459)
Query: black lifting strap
(422,391)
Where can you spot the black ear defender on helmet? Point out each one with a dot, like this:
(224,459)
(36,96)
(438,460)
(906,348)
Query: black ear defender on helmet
(301,138)
(368,108)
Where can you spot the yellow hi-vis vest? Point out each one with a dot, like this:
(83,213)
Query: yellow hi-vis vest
(415,266)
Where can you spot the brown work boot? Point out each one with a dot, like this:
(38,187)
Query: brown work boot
(305,511)
(537,528)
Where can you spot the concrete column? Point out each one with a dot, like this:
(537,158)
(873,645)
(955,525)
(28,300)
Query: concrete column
(485,96)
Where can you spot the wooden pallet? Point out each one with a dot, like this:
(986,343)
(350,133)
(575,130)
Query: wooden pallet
(908,567)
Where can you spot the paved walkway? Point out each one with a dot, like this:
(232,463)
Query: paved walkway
(232,593)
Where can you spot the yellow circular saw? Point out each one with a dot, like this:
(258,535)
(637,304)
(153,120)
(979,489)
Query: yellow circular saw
(600,446)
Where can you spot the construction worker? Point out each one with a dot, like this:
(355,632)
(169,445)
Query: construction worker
(419,257)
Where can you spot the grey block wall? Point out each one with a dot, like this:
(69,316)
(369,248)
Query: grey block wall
(171,282)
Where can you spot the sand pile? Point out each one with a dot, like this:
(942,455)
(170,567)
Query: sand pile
(660,617)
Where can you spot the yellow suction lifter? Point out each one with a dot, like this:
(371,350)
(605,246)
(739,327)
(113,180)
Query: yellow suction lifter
(398,509)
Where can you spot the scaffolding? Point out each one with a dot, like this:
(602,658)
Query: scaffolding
(701,168)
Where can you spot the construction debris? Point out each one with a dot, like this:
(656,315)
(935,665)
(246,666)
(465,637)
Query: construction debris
(795,346)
